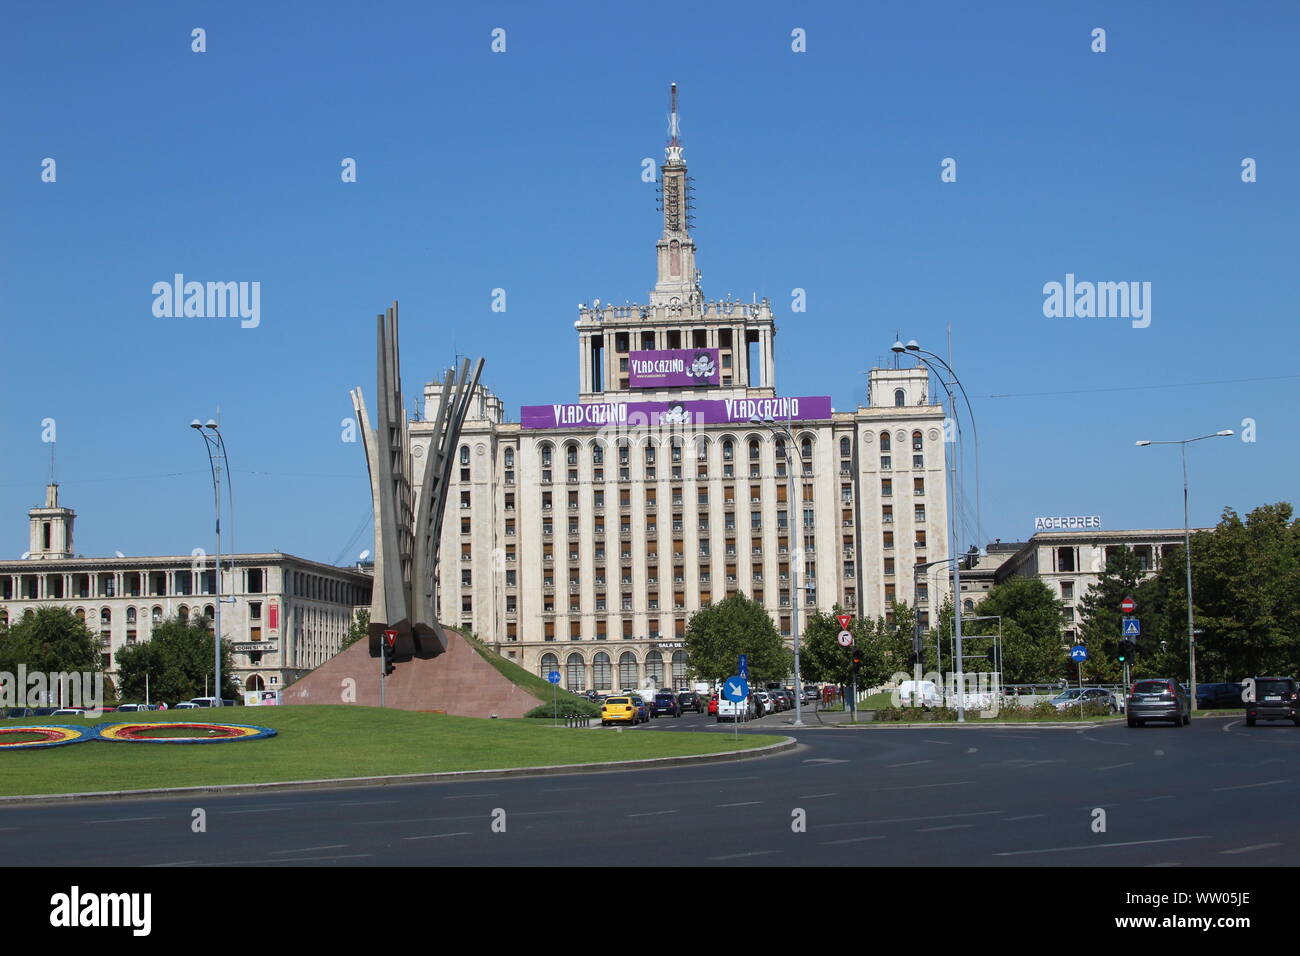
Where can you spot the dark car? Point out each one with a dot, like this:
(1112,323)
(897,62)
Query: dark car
(1218,696)
(689,700)
(643,710)
(43,711)
(666,703)
(20,712)
(1158,699)
(1271,698)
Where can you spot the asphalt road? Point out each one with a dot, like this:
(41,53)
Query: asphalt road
(1214,793)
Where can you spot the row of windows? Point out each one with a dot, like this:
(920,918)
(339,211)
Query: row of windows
(599,674)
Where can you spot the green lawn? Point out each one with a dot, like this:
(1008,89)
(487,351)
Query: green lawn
(320,742)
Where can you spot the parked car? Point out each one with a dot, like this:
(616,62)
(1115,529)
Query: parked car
(919,693)
(1219,696)
(1158,699)
(620,710)
(690,700)
(43,711)
(1272,698)
(644,710)
(186,705)
(764,703)
(736,710)
(666,703)
(1071,698)
(17,712)
(69,712)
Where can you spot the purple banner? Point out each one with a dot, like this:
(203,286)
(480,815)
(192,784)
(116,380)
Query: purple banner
(704,411)
(670,368)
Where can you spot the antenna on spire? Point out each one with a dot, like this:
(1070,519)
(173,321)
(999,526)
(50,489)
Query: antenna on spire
(673,128)
(52,463)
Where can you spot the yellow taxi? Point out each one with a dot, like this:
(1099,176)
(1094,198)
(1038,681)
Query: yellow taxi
(619,710)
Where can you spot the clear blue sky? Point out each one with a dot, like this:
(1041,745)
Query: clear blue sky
(521,170)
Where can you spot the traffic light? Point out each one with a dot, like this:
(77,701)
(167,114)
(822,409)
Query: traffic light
(1124,654)
(857,660)
(389,666)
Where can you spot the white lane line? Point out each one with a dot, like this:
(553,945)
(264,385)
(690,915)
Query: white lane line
(126,820)
(683,783)
(468,796)
(1027,816)
(438,836)
(927,786)
(652,813)
(1249,786)
(1249,849)
(177,863)
(1163,796)
(815,796)
(1099,846)
(738,856)
(301,859)
(940,816)
(308,849)
(264,810)
(1154,866)
(946,743)
(364,803)
(1226,727)
(1116,766)
(910,763)
(564,789)
(951,826)
(851,840)
(747,803)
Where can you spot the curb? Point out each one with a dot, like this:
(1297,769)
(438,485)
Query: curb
(934,724)
(649,763)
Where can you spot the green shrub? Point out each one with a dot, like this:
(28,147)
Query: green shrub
(574,707)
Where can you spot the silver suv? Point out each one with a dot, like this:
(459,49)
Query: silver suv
(1158,699)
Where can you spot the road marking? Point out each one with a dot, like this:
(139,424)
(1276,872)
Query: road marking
(747,803)
(851,840)
(177,863)
(301,859)
(938,816)
(1157,865)
(824,760)
(683,783)
(1116,766)
(926,786)
(564,789)
(1159,753)
(467,796)
(951,826)
(652,813)
(1163,796)
(1248,786)
(910,763)
(946,743)
(263,810)
(365,803)
(1099,846)
(814,796)
(1230,724)
(126,820)
(438,836)
(308,849)
(737,856)
(1027,816)
(1248,849)
(972,750)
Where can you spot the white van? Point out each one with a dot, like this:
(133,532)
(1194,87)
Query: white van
(735,710)
(917,693)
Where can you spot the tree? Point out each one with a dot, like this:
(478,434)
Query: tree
(1101,617)
(178,660)
(718,634)
(359,628)
(823,660)
(52,640)
(1032,645)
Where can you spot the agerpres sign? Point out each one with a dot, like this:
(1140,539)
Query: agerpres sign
(704,411)
(1068,523)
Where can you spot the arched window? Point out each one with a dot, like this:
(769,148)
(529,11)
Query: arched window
(900,398)
(649,454)
(571,454)
(510,458)
(753,449)
(805,449)
(702,449)
(728,450)
(602,672)
(654,668)
(780,449)
(576,677)
(549,663)
(209,611)
(464,455)
(81,614)
(676,449)
(105,617)
(968,605)
(130,615)
(627,670)
(679,668)
(917,444)
(183,613)
(884,442)
(155,616)
(845,448)
(598,454)
(254,682)
(546,456)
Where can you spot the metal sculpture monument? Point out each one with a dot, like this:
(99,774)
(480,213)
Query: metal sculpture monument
(408,510)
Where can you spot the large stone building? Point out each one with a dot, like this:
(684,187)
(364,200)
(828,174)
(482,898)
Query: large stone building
(283,615)
(582,537)
(1070,562)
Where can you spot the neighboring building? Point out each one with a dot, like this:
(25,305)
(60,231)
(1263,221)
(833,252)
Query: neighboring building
(1070,562)
(287,616)
(979,571)
(583,537)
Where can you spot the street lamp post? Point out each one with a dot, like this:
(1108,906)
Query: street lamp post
(777,428)
(1187,549)
(215,445)
(929,363)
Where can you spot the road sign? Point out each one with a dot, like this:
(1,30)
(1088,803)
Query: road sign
(553,677)
(1132,627)
(1128,605)
(735,689)
(845,639)
(845,620)
(743,666)
(1078,653)
(391,637)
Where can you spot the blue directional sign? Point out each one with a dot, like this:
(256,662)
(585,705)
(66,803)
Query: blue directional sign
(1132,627)
(1078,653)
(743,666)
(553,677)
(735,689)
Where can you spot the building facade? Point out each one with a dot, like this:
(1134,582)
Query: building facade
(1070,562)
(582,537)
(282,614)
